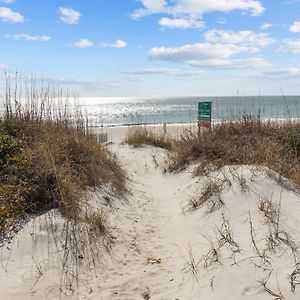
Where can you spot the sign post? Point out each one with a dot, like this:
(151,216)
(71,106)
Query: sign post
(204,114)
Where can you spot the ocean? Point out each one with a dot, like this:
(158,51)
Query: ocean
(128,111)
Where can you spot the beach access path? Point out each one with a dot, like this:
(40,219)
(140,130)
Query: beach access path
(166,252)
(163,251)
(152,255)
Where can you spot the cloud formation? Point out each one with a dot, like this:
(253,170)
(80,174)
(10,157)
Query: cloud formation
(196,7)
(69,15)
(181,23)
(209,55)
(295,27)
(83,43)
(8,15)
(266,26)
(161,71)
(288,73)
(29,38)
(243,37)
(283,73)
(292,46)
(119,44)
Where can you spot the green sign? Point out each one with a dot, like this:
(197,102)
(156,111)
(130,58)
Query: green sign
(204,113)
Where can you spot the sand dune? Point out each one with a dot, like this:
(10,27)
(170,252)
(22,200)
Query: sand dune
(242,243)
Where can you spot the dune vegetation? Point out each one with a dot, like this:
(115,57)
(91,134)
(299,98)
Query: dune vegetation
(139,136)
(249,141)
(48,158)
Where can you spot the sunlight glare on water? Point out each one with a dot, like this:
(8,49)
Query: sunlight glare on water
(108,111)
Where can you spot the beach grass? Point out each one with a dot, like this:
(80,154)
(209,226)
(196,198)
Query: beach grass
(139,136)
(48,158)
(250,141)
(246,142)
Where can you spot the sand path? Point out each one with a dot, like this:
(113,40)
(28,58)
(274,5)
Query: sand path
(161,252)
(152,255)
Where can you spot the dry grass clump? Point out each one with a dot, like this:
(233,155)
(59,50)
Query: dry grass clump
(248,142)
(96,221)
(209,195)
(267,208)
(277,236)
(48,159)
(225,237)
(138,137)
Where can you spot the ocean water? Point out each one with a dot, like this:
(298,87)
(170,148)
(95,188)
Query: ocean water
(123,111)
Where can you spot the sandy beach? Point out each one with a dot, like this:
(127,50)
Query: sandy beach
(118,134)
(163,250)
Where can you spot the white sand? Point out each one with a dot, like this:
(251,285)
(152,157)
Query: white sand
(161,250)
(118,134)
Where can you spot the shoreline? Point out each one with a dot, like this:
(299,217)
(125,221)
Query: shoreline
(117,134)
(214,122)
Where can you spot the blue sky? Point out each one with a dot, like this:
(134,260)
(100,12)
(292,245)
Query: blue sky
(155,48)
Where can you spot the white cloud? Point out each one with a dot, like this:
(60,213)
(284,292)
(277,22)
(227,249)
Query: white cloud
(29,38)
(203,6)
(266,26)
(8,15)
(161,71)
(196,7)
(275,74)
(69,15)
(208,55)
(119,44)
(292,46)
(197,51)
(181,23)
(150,7)
(283,73)
(295,27)
(244,37)
(83,43)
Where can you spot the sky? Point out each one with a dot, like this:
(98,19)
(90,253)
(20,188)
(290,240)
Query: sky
(155,48)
